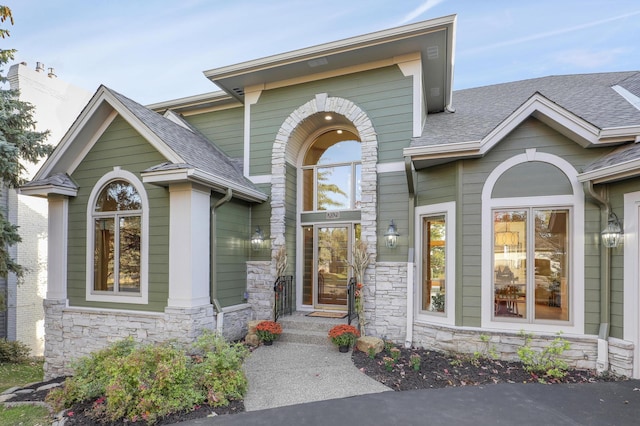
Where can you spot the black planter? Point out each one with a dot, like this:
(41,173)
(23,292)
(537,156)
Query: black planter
(343,348)
(268,342)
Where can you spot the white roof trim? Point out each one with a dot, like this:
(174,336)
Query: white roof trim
(344,45)
(612,173)
(628,96)
(100,98)
(538,106)
(45,190)
(199,176)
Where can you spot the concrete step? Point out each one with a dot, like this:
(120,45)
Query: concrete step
(309,323)
(310,337)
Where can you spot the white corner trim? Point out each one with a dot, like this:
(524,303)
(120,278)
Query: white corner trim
(57,247)
(143,297)
(631,321)
(250,98)
(449,210)
(414,69)
(628,96)
(576,201)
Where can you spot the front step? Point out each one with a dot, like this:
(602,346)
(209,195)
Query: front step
(298,328)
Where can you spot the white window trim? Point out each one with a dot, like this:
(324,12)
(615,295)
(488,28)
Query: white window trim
(575,325)
(143,296)
(631,280)
(448,210)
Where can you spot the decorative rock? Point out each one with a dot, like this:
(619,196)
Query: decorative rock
(6,396)
(49,386)
(365,343)
(252,340)
(24,391)
(10,390)
(251,325)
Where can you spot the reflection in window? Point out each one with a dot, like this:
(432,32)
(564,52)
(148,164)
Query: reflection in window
(531,248)
(117,230)
(434,264)
(331,173)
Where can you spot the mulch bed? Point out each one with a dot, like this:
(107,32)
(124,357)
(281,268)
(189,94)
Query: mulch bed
(437,370)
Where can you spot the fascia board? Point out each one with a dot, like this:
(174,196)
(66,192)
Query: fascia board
(620,134)
(207,179)
(334,47)
(95,109)
(45,190)
(612,173)
(454,149)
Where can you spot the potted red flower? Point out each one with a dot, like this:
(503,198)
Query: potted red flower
(343,336)
(268,331)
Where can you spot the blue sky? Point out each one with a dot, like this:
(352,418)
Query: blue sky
(156,50)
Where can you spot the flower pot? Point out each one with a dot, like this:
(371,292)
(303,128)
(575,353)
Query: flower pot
(268,342)
(343,348)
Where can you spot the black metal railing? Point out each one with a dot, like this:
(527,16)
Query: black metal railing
(351,300)
(283,293)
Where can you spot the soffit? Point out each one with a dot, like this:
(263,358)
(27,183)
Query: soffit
(433,39)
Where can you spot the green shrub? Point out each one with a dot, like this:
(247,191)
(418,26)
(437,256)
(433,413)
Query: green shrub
(143,383)
(546,361)
(13,351)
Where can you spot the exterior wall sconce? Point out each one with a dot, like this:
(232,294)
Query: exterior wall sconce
(256,239)
(391,237)
(612,233)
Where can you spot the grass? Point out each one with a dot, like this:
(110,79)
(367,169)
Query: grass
(20,374)
(27,415)
(11,375)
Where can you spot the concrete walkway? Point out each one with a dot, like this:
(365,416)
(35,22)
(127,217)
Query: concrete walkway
(295,373)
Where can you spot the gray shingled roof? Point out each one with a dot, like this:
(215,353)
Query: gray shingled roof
(193,147)
(480,110)
(621,155)
(61,180)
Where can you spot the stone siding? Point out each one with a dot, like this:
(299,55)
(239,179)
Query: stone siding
(236,319)
(260,279)
(75,332)
(582,354)
(388,298)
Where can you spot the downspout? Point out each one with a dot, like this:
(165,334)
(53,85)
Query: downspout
(212,249)
(602,363)
(411,252)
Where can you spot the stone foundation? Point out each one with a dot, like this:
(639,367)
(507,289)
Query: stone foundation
(390,301)
(582,354)
(75,332)
(235,320)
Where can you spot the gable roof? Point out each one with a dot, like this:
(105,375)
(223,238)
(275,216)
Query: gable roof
(190,155)
(592,109)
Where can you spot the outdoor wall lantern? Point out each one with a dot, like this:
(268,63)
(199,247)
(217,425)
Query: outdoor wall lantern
(257,238)
(612,233)
(391,237)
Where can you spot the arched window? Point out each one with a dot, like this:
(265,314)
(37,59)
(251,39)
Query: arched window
(116,240)
(331,173)
(117,219)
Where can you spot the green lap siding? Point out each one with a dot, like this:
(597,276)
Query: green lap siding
(385,95)
(261,216)
(463,182)
(393,205)
(232,231)
(120,145)
(225,128)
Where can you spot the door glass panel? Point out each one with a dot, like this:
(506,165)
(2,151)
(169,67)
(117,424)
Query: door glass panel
(308,267)
(333,266)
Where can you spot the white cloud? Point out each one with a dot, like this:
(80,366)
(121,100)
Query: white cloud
(429,4)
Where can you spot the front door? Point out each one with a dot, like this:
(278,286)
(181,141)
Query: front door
(327,256)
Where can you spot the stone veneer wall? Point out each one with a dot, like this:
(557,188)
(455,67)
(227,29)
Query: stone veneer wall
(260,279)
(235,321)
(75,332)
(582,354)
(387,299)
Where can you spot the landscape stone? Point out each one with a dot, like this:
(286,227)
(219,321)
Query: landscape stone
(365,343)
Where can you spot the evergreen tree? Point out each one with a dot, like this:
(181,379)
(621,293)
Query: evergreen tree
(18,142)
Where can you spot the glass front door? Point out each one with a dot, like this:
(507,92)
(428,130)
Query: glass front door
(327,256)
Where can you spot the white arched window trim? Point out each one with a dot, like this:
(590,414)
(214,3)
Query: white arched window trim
(575,325)
(143,297)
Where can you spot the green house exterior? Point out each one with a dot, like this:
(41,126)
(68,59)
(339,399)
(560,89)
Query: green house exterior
(482,209)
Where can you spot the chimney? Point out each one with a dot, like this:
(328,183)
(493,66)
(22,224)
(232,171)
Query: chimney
(51,73)
(39,66)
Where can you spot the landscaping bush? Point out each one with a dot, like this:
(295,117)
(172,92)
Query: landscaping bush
(13,351)
(127,381)
(546,361)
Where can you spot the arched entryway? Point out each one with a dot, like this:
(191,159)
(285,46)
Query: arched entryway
(324,129)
